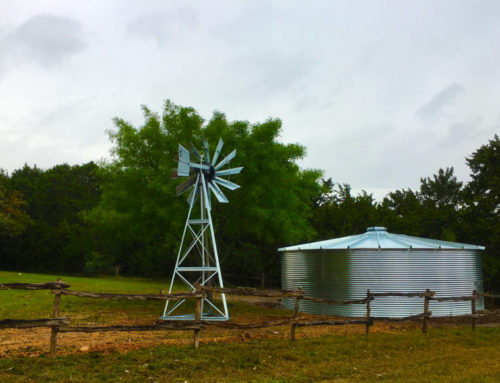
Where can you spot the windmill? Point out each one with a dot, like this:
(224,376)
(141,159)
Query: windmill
(197,260)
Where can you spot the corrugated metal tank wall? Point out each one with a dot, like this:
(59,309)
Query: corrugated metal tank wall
(347,274)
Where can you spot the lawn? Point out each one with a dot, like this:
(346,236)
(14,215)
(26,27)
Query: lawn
(444,355)
(19,304)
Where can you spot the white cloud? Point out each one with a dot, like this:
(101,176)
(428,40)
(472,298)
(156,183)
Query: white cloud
(46,39)
(436,106)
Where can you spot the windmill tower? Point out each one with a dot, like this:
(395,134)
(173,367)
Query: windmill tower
(197,259)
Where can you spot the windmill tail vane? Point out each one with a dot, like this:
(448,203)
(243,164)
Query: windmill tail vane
(197,259)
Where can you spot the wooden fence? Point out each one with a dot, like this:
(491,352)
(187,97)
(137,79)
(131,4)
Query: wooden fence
(62,324)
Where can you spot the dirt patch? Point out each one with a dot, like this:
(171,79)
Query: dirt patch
(33,342)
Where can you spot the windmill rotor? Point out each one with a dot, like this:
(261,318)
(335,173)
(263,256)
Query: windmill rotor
(210,170)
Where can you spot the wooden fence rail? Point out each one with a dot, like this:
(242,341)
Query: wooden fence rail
(397,294)
(411,317)
(31,323)
(142,297)
(335,323)
(488,295)
(253,292)
(61,324)
(244,326)
(34,286)
(160,326)
(333,302)
(455,299)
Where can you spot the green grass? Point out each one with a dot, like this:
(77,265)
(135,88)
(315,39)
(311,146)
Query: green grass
(19,304)
(444,355)
(99,284)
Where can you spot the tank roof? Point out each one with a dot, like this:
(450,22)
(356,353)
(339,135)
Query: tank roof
(377,237)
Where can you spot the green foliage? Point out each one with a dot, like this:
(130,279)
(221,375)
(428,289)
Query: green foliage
(97,264)
(57,239)
(482,217)
(339,213)
(434,211)
(140,218)
(13,218)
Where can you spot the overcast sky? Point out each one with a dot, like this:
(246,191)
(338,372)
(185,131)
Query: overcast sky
(381,93)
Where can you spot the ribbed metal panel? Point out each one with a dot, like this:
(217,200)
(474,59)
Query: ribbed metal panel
(347,274)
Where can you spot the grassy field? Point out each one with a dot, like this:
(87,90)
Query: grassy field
(392,354)
(444,355)
(18,304)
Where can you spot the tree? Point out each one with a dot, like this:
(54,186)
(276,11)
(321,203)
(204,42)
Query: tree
(485,185)
(482,222)
(405,212)
(57,239)
(141,219)
(433,211)
(442,202)
(338,213)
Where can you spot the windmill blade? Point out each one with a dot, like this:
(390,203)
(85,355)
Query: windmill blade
(199,166)
(185,185)
(217,151)
(183,154)
(207,151)
(218,193)
(183,166)
(228,172)
(195,153)
(229,157)
(183,169)
(227,184)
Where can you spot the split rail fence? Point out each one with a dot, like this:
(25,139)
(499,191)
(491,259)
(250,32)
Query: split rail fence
(62,324)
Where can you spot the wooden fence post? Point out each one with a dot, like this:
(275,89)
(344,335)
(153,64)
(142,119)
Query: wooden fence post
(197,317)
(473,308)
(295,314)
(368,311)
(55,314)
(426,310)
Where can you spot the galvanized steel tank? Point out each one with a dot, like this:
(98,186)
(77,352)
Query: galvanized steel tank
(344,268)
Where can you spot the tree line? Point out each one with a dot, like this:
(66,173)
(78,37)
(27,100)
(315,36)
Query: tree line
(90,218)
